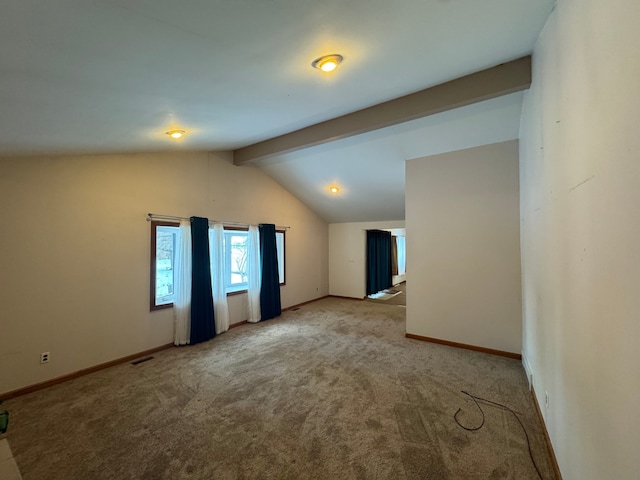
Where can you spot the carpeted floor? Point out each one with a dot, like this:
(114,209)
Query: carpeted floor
(330,391)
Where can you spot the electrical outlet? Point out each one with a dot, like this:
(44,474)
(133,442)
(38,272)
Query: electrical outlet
(546,399)
(44,357)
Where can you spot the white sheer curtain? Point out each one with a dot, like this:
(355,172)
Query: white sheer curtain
(220,306)
(182,285)
(254,273)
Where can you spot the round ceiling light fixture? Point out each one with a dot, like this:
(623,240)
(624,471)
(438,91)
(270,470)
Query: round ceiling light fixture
(176,133)
(328,63)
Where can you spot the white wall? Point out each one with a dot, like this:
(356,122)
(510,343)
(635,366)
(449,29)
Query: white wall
(463,242)
(348,256)
(580,178)
(74,249)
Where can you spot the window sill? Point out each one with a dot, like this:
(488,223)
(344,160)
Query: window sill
(161,307)
(229,294)
(236,292)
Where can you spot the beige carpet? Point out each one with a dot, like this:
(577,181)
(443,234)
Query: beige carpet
(330,391)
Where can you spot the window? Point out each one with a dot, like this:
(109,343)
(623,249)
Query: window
(235,259)
(163,242)
(235,254)
(402,255)
(281,255)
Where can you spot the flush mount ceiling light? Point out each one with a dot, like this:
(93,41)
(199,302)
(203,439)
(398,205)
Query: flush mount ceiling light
(176,133)
(334,189)
(328,63)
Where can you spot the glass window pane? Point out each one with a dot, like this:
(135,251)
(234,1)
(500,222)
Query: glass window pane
(402,259)
(165,249)
(280,248)
(236,260)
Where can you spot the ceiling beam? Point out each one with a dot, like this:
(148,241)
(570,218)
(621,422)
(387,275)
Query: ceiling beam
(493,82)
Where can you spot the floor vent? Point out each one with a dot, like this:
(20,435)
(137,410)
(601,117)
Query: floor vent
(140,360)
(294,309)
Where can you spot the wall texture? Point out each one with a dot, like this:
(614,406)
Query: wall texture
(580,172)
(75,252)
(348,256)
(464,247)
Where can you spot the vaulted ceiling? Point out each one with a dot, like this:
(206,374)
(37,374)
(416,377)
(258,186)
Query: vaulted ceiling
(112,76)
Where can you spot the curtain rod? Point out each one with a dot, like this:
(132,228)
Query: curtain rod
(154,216)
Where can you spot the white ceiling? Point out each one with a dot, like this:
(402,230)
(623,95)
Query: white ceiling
(109,76)
(369,169)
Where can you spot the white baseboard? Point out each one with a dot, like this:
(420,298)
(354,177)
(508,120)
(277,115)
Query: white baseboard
(528,370)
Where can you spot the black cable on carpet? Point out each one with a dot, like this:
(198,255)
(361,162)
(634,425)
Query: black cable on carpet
(473,429)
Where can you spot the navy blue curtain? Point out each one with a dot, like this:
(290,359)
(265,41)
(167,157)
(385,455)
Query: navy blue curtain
(270,306)
(378,261)
(202,319)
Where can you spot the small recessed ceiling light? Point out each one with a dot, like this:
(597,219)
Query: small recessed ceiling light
(176,133)
(328,63)
(334,189)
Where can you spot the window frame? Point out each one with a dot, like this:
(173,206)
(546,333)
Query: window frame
(404,253)
(233,229)
(283,231)
(153,262)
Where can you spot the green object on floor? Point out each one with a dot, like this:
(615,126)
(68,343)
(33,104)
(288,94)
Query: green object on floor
(4,420)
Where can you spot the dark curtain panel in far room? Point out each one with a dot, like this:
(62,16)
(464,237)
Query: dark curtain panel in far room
(378,261)
(202,319)
(270,291)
